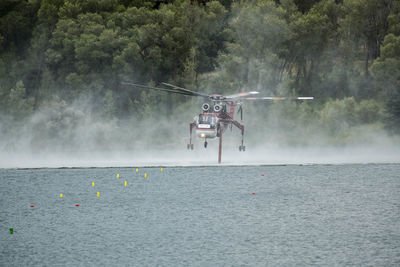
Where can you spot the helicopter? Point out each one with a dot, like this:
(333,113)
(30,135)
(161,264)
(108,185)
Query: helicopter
(217,113)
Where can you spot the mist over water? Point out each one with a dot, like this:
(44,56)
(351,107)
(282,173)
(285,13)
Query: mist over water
(256,156)
(74,136)
(182,157)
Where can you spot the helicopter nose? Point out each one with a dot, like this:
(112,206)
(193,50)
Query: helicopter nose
(206,133)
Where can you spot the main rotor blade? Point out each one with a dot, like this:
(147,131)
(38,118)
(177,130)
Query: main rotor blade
(159,89)
(243,94)
(177,88)
(280,98)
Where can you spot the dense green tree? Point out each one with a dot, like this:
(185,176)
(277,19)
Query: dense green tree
(305,5)
(366,22)
(345,53)
(17,20)
(19,105)
(257,32)
(386,70)
(312,48)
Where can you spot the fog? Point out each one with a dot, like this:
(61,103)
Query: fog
(202,157)
(61,135)
(64,105)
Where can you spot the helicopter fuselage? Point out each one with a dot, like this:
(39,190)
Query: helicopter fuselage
(206,125)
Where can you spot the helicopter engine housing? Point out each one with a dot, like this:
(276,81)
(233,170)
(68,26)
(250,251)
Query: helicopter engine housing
(217,107)
(205,107)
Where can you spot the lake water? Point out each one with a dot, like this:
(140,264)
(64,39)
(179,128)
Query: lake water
(202,216)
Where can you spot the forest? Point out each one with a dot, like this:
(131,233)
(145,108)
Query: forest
(64,60)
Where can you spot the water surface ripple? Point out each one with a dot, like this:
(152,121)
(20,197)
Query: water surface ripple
(202,216)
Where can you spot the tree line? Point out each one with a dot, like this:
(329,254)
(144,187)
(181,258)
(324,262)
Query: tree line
(345,53)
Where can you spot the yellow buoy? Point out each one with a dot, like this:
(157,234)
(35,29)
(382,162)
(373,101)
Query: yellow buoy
(98,194)
(145,175)
(137,169)
(161,169)
(125,183)
(92,184)
(61,195)
(117,175)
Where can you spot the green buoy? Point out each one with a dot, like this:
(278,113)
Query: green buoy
(11,231)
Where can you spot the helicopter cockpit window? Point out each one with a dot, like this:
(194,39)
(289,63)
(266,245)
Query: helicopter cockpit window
(207,119)
(213,120)
(203,119)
